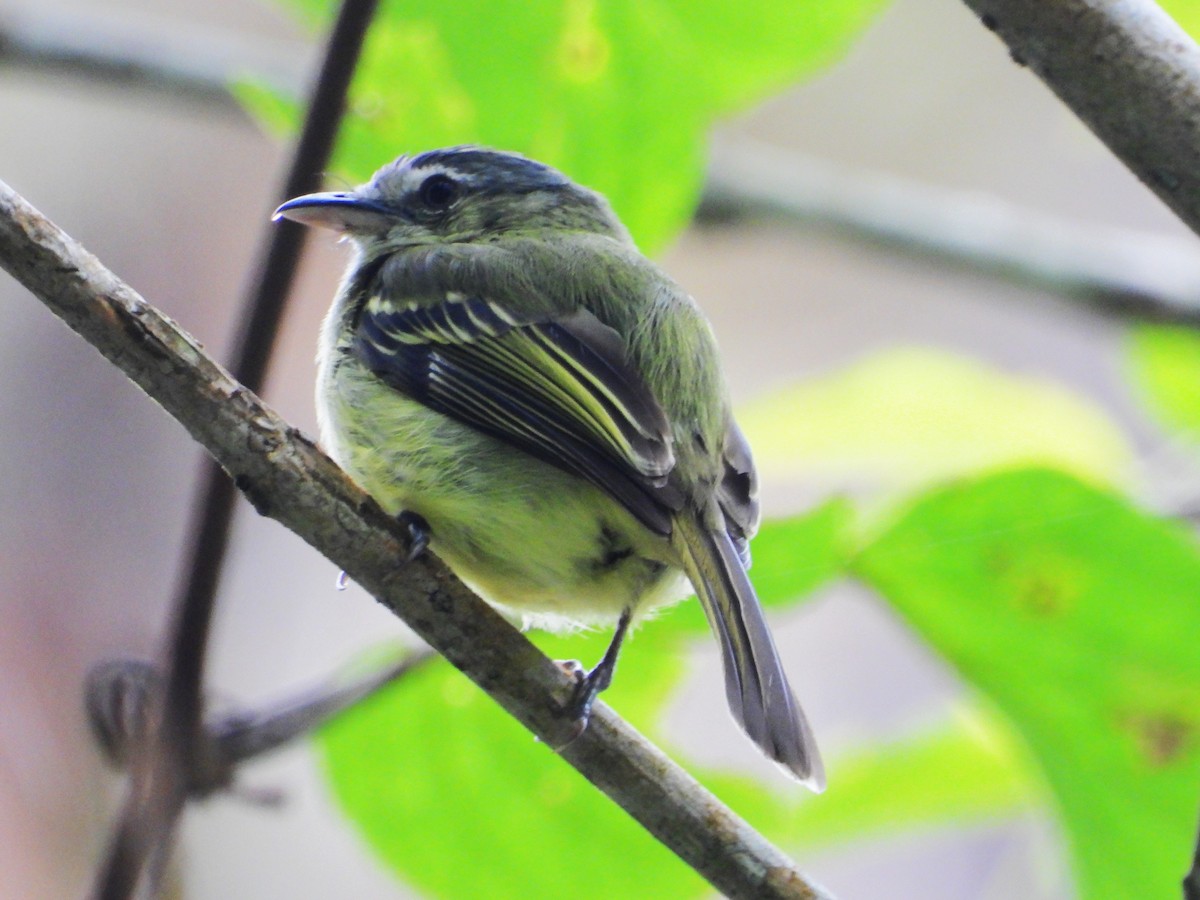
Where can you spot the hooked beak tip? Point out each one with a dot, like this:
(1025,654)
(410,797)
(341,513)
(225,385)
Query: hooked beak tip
(336,210)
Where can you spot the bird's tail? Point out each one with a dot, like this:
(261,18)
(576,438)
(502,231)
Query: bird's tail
(759,695)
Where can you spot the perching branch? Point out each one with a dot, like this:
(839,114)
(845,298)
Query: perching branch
(1128,71)
(286,477)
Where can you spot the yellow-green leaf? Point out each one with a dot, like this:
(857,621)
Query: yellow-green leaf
(1166,364)
(912,415)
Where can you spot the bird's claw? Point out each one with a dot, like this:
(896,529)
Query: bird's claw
(418,534)
(588,686)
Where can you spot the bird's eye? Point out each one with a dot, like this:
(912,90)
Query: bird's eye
(438,191)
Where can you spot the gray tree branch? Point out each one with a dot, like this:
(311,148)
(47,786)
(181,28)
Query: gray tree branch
(286,477)
(1128,71)
(124,699)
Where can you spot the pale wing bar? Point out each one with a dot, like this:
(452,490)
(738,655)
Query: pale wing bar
(552,387)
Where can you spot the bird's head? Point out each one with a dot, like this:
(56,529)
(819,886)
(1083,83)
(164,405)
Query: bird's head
(459,194)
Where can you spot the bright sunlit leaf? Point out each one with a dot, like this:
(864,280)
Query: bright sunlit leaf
(1186,13)
(618,94)
(432,770)
(461,802)
(965,770)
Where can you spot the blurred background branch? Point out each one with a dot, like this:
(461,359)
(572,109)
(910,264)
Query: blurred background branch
(146,53)
(124,701)
(1117,271)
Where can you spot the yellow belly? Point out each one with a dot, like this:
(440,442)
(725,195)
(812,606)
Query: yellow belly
(531,539)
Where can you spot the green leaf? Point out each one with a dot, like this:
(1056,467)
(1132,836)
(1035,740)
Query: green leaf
(966,769)
(1186,13)
(795,556)
(619,94)
(909,416)
(1166,365)
(1078,616)
(461,802)
(437,778)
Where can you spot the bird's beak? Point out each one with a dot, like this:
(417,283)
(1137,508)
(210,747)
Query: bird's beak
(338,210)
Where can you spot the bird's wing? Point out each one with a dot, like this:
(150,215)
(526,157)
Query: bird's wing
(556,387)
(737,494)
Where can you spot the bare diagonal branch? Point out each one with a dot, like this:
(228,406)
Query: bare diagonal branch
(287,478)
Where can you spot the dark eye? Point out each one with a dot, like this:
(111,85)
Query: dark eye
(438,191)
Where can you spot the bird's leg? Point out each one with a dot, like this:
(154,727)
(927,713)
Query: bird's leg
(418,534)
(590,685)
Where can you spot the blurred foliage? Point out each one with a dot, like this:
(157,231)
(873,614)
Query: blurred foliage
(618,94)
(912,415)
(1068,612)
(461,801)
(1186,13)
(1076,614)
(433,769)
(968,769)
(1166,365)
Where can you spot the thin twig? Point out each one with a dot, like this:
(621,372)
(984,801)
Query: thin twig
(1191,882)
(242,737)
(159,777)
(288,479)
(124,697)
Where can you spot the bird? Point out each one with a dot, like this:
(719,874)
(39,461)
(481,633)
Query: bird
(545,408)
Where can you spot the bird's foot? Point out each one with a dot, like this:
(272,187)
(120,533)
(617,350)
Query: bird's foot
(418,534)
(589,685)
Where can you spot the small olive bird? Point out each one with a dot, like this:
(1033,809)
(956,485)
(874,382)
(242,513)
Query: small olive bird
(503,370)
